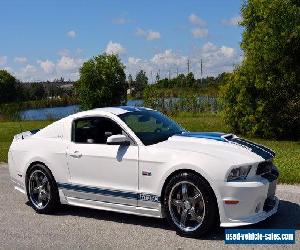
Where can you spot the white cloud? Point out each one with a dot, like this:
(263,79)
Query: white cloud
(152,35)
(8,69)
(65,66)
(219,59)
(3,60)
(199,32)
(162,62)
(114,48)
(168,58)
(228,52)
(27,73)
(216,59)
(66,63)
(194,19)
(47,66)
(29,69)
(21,60)
(148,34)
(233,21)
(121,21)
(71,34)
(134,61)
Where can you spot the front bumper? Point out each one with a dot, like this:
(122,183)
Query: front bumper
(256,202)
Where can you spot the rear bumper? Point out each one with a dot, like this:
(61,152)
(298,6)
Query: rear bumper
(256,202)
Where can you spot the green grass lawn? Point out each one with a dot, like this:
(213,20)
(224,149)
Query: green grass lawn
(287,152)
(9,129)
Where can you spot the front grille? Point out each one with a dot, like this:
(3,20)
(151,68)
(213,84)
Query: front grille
(267,170)
(264,167)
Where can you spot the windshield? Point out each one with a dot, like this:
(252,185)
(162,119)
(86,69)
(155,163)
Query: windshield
(151,126)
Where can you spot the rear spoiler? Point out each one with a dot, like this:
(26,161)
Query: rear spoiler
(25,134)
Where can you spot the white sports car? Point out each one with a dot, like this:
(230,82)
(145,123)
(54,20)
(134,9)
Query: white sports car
(138,161)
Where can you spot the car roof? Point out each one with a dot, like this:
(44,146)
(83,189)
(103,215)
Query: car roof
(112,110)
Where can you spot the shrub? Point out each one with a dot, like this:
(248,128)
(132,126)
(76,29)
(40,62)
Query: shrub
(262,96)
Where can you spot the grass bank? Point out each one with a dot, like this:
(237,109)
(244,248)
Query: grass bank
(287,152)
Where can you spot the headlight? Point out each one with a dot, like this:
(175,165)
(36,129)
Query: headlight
(239,173)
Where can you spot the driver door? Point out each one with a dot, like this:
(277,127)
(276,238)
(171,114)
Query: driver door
(101,172)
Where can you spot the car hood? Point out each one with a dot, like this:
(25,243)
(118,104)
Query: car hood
(220,145)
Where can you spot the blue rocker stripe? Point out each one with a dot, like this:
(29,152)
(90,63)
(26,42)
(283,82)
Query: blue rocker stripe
(107,192)
(95,190)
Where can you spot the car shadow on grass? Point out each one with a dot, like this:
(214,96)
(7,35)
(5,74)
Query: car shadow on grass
(287,217)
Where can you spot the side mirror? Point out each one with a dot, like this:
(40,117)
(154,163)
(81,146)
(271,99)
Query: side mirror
(117,140)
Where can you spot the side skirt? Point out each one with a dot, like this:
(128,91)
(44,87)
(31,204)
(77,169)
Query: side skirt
(121,208)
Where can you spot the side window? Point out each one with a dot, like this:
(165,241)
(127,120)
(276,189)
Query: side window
(94,130)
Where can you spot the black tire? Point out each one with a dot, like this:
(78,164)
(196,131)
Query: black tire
(207,215)
(50,195)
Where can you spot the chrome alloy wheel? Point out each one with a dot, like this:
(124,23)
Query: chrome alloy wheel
(186,205)
(39,189)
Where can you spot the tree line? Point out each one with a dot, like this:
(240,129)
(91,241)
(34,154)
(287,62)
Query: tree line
(13,90)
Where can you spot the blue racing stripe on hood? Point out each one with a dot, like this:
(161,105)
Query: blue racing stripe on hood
(207,135)
(260,150)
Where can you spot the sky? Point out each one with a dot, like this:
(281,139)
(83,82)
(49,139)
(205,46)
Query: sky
(48,39)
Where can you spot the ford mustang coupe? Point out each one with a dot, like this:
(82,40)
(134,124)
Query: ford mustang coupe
(138,161)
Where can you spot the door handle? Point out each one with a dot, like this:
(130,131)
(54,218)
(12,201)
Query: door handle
(76,154)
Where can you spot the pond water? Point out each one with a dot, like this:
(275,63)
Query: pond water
(60,112)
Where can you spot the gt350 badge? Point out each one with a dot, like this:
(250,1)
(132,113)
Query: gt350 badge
(149,197)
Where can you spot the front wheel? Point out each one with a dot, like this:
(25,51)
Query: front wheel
(42,190)
(190,205)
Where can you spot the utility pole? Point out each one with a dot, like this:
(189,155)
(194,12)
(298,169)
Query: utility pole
(169,74)
(188,65)
(201,70)
(177,72)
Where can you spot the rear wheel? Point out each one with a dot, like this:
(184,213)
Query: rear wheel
(190,205)
(42,190)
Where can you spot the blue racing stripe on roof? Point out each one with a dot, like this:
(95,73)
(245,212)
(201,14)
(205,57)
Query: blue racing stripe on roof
(128,108)
(132,108)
